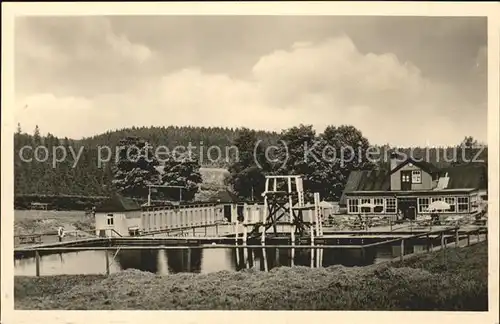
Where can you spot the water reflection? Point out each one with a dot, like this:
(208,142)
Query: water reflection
(199,260)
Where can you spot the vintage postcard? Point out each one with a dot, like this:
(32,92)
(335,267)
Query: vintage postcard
(285,156)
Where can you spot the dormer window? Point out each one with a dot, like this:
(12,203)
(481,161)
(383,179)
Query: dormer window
(416,176)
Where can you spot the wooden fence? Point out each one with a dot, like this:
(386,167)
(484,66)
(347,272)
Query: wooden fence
(443,235)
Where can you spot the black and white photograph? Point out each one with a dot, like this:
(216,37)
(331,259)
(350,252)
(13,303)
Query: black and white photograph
(251,162)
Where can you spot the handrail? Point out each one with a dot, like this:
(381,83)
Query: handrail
(53,233)
(60,249)
(218,246)
(442,232)
(113,230)
(186,247)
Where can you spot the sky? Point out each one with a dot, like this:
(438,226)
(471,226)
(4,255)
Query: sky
(400,80)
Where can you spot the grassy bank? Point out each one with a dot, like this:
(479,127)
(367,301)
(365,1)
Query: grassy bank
(35,221)
(421,283)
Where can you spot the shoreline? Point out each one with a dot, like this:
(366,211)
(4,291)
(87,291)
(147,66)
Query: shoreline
(455,280)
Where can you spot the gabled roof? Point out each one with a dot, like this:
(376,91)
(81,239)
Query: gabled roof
(425,166)
(367,180)
(118,203)
(467,176)
(223,196)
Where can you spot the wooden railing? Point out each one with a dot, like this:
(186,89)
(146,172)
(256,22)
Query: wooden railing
(443,235)
(37,238)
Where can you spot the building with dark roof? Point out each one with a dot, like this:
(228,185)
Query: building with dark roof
(224,196)
(118,203)
(409,187)
(117,216)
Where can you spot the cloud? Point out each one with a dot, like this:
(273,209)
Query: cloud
(319,83)
(57,115)
(76,56)
(96,40)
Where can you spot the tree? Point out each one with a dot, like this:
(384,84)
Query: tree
(37,140)
(466,151)
(135,169)
(247,173)
(300,153)
(348,152)
(180,172)
(249,183)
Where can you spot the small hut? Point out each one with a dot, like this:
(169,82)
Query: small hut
(227,199)
(117,216)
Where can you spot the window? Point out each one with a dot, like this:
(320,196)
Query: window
(450,201)
(437,199)
(390,206)
(379,205)
(463,204)
(416,176)
(110,219)
(423,204)
(405,178)
(366,201)
(239,211)
(227,213)
(352,205)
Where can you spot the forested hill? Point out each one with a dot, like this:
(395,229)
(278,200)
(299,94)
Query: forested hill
(89,178)
(173,136)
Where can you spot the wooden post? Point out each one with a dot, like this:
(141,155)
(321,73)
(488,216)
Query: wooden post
(318,257)
(216,229)
(189,259)
(402,253)
(246,212)
(312,244)
(250,258)
(277,257)
(468,239)
(478,236)
(237,254)
(107,262)
(37,263)
(292,227)
(427,243)
(194,231)
(457,238)
(263,243)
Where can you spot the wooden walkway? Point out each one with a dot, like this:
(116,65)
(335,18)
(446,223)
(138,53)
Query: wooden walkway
(357,238)
(224,233)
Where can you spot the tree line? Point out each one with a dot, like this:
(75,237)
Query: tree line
(326,175)
(325,162)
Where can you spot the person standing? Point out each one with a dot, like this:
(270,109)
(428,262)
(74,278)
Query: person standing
(60,233)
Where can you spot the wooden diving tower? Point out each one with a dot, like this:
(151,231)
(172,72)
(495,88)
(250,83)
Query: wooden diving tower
(284,203)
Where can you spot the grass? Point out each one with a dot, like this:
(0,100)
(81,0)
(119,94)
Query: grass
(47,222)
(421,283)
(34,221)
(214,175)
